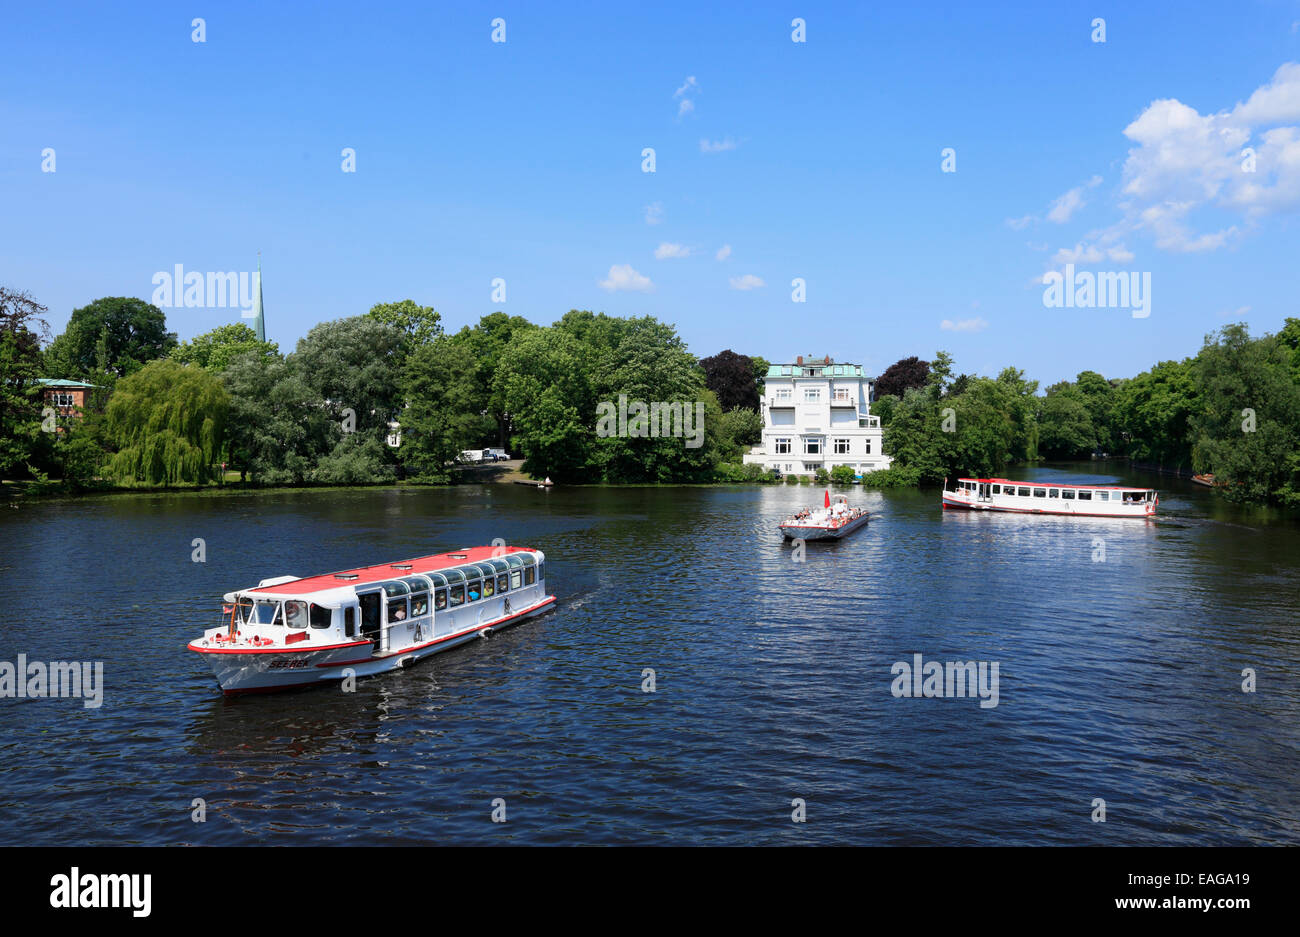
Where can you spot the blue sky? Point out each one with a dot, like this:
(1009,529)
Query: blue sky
(820,160)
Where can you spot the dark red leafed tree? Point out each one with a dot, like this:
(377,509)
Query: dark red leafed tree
(899,376)
(731,377)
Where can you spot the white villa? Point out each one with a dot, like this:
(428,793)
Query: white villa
(817,414)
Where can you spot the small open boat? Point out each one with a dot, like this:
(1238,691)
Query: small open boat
(830,522)
(1206,480)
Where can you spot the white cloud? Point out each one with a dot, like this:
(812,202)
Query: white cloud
(1021,223)
(623,277)
(654,213)
(1236,313)
(964,325)
(1084,253)
(724,252)
(666,250)
(1065,206)
(747,282)
(717,146)
(689,87)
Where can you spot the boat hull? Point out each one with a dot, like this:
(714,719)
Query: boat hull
(1141,511)
(272,669)
(822,532)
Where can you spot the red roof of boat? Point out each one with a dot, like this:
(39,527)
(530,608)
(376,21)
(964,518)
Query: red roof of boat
(383,572)
(1043,484)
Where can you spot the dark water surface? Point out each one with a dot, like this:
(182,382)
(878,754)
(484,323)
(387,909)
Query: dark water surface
(1119,680)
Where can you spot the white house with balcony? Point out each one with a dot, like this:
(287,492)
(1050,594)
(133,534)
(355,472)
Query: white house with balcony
(817,414)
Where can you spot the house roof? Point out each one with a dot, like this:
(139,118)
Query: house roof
(60,382)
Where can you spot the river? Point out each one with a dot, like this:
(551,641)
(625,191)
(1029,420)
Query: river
(1120,647)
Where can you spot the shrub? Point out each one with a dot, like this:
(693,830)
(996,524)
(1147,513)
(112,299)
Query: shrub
(822,477)
(896,476)
(792,479)
(843,475)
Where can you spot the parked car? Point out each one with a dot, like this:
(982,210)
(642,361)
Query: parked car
(495,455)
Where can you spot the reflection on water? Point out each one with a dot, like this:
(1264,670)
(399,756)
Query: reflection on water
(1120,642)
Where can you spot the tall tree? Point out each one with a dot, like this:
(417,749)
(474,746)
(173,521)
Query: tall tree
(168,421)
(420,324)
(902,375)
(732,379)
(214,350)
(22,327)
(118,332)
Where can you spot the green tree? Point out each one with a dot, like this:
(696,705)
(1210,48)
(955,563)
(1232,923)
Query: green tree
(214,350)
(420,324)
(444,414)
(1065,423)
(1247,430)
(278,426)
(21,330)
(168,420)
(544,381)
(117,334)
(1152,414)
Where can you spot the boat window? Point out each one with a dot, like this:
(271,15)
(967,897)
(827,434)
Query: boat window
(396,587)
(997,489)
(321,617)
(397,609)
(514,560)
(417,583)
(474,590)
(530,575)
(267,613)
(295,613)
(499,566)
(458,594)
(369,613)
(489,586)
(419,604)
(1067,494)
(439,600)
(1023,492)
(1040,492)
(503,582)
(454,575)
(1103,496)
(350,622)
(1053,492)
(438,579)
(1085,495)
(516,580)
(540,572)
(529,559)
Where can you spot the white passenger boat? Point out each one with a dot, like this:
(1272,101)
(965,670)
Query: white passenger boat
(830,522)
(1001,494)
(287,632)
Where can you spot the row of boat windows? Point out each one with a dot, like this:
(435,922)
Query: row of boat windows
(407,597)
(1066,494)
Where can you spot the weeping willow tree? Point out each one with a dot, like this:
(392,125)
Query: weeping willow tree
(167,420)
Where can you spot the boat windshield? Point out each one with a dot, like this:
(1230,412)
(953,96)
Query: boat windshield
(263,612)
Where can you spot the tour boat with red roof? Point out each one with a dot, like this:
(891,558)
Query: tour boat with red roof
(1002,494)
(288,632)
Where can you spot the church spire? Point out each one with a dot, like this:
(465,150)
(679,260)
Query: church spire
(257,309)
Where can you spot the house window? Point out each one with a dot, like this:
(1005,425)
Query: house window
(812,395)
(62,399)
(783,394)
(812,446)
(841,446)
(842,395)
(783,445)
(868,442)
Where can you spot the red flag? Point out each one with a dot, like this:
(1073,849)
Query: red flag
(828,497)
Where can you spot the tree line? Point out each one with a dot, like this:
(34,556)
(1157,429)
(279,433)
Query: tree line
(1232,410)
(165,412)
(384,396)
